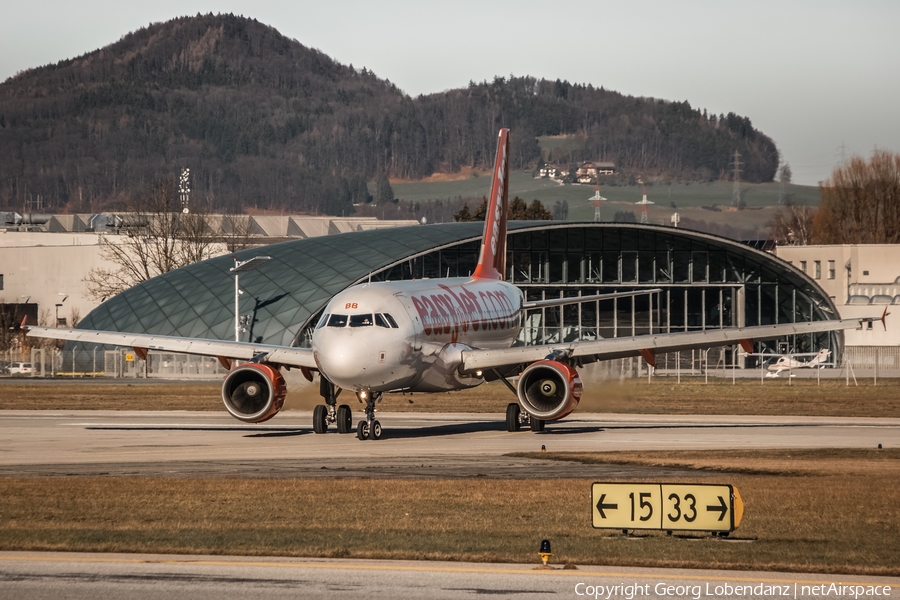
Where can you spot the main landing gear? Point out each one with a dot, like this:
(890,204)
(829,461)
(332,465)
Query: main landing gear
(370,429)
(515,418)
(328,413)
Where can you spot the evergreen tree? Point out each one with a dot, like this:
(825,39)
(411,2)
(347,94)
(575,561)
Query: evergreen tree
(384,193)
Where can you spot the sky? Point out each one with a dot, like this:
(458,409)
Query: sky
(821,78)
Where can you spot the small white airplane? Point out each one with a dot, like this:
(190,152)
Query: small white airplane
(432,335)
(789,362)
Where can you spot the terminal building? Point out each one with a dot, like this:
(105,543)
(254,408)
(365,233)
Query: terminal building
(706,282)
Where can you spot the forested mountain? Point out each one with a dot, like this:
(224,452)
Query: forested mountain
(264,121)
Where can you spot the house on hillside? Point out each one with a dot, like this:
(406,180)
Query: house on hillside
(552,171)
(593,169)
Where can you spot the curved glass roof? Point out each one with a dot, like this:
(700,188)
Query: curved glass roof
(282,294)
(286,292)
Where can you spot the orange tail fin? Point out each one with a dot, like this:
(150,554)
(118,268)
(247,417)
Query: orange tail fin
(492,262)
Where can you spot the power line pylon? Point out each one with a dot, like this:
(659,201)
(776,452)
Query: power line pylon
(736,192)
(645,211)
(597,201)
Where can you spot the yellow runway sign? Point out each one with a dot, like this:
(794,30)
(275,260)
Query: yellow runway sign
(666,506)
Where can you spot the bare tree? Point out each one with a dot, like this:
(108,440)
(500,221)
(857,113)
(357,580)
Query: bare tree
(156,238)
(861,202)
(792,225)
(236,232)
(8,326)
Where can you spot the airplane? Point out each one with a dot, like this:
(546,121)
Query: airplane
(788,362)
(432,335)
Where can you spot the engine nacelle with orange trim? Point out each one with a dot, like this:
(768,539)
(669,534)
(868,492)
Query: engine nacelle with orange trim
(549,390)
(254,393)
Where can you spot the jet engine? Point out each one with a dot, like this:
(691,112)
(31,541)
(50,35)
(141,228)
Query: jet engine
(254,393)
(549,390)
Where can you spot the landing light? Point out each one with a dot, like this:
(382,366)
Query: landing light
(477,373)
(363,395)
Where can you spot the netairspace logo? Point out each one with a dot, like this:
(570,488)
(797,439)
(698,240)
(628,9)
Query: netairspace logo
(796,591)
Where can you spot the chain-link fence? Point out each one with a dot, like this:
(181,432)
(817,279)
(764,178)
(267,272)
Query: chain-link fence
(865,361)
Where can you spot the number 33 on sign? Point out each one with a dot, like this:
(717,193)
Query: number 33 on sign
(666,506)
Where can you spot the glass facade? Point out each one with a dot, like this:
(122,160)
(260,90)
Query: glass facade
(707,282)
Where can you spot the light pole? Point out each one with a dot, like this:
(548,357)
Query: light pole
(242,267)
(59,305)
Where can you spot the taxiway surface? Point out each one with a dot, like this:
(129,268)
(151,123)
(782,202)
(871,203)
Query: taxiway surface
(177,443)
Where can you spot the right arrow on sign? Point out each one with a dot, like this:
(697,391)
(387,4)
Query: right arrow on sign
(601,506)
(722,508)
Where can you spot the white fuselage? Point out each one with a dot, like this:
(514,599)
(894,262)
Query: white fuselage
(409,335)
(785,363)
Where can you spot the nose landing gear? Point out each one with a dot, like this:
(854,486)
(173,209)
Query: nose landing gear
(370,429)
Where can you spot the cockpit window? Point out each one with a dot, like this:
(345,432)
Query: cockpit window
(337,321)
(380,321)
(361,321)
(391,320)
(322,321)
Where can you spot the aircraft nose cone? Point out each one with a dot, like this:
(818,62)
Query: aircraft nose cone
(341,366)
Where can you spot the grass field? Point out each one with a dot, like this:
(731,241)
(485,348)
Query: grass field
(662,396)
(684,195)
(688,199)
(833,511)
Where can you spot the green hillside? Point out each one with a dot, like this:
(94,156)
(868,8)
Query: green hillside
(703,206)
(547,191)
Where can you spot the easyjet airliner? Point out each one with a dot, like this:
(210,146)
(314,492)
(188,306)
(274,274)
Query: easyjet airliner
(431,336)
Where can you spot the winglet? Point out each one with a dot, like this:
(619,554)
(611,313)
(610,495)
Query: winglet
(883,317)
(492,261)
(25,322)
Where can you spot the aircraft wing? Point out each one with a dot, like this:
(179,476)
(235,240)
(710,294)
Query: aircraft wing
(285,355)
(649,346)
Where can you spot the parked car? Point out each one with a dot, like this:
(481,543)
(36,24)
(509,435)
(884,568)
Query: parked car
(20,368)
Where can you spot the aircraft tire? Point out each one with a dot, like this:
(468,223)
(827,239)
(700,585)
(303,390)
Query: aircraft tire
(320,425)
(362,431)
(375,431)
(512,417)
(537,425)
(344,419)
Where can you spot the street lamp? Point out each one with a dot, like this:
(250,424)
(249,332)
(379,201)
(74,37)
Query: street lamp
(59,305)
(243,267)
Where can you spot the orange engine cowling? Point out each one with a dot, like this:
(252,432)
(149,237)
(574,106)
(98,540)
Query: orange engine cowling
(254,393)
(549,390)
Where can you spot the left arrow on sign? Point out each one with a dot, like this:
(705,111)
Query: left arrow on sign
(601,506)
(721,509)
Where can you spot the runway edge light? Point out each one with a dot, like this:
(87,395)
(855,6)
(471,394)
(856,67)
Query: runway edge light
(544,552)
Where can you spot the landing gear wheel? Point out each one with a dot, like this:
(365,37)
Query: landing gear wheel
(375,431)
(320,424)
(537,425)
(362,431)
(512,417)
(344,419)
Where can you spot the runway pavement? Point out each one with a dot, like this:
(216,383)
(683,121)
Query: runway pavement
(34,575)
(179,443)
(190,444)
